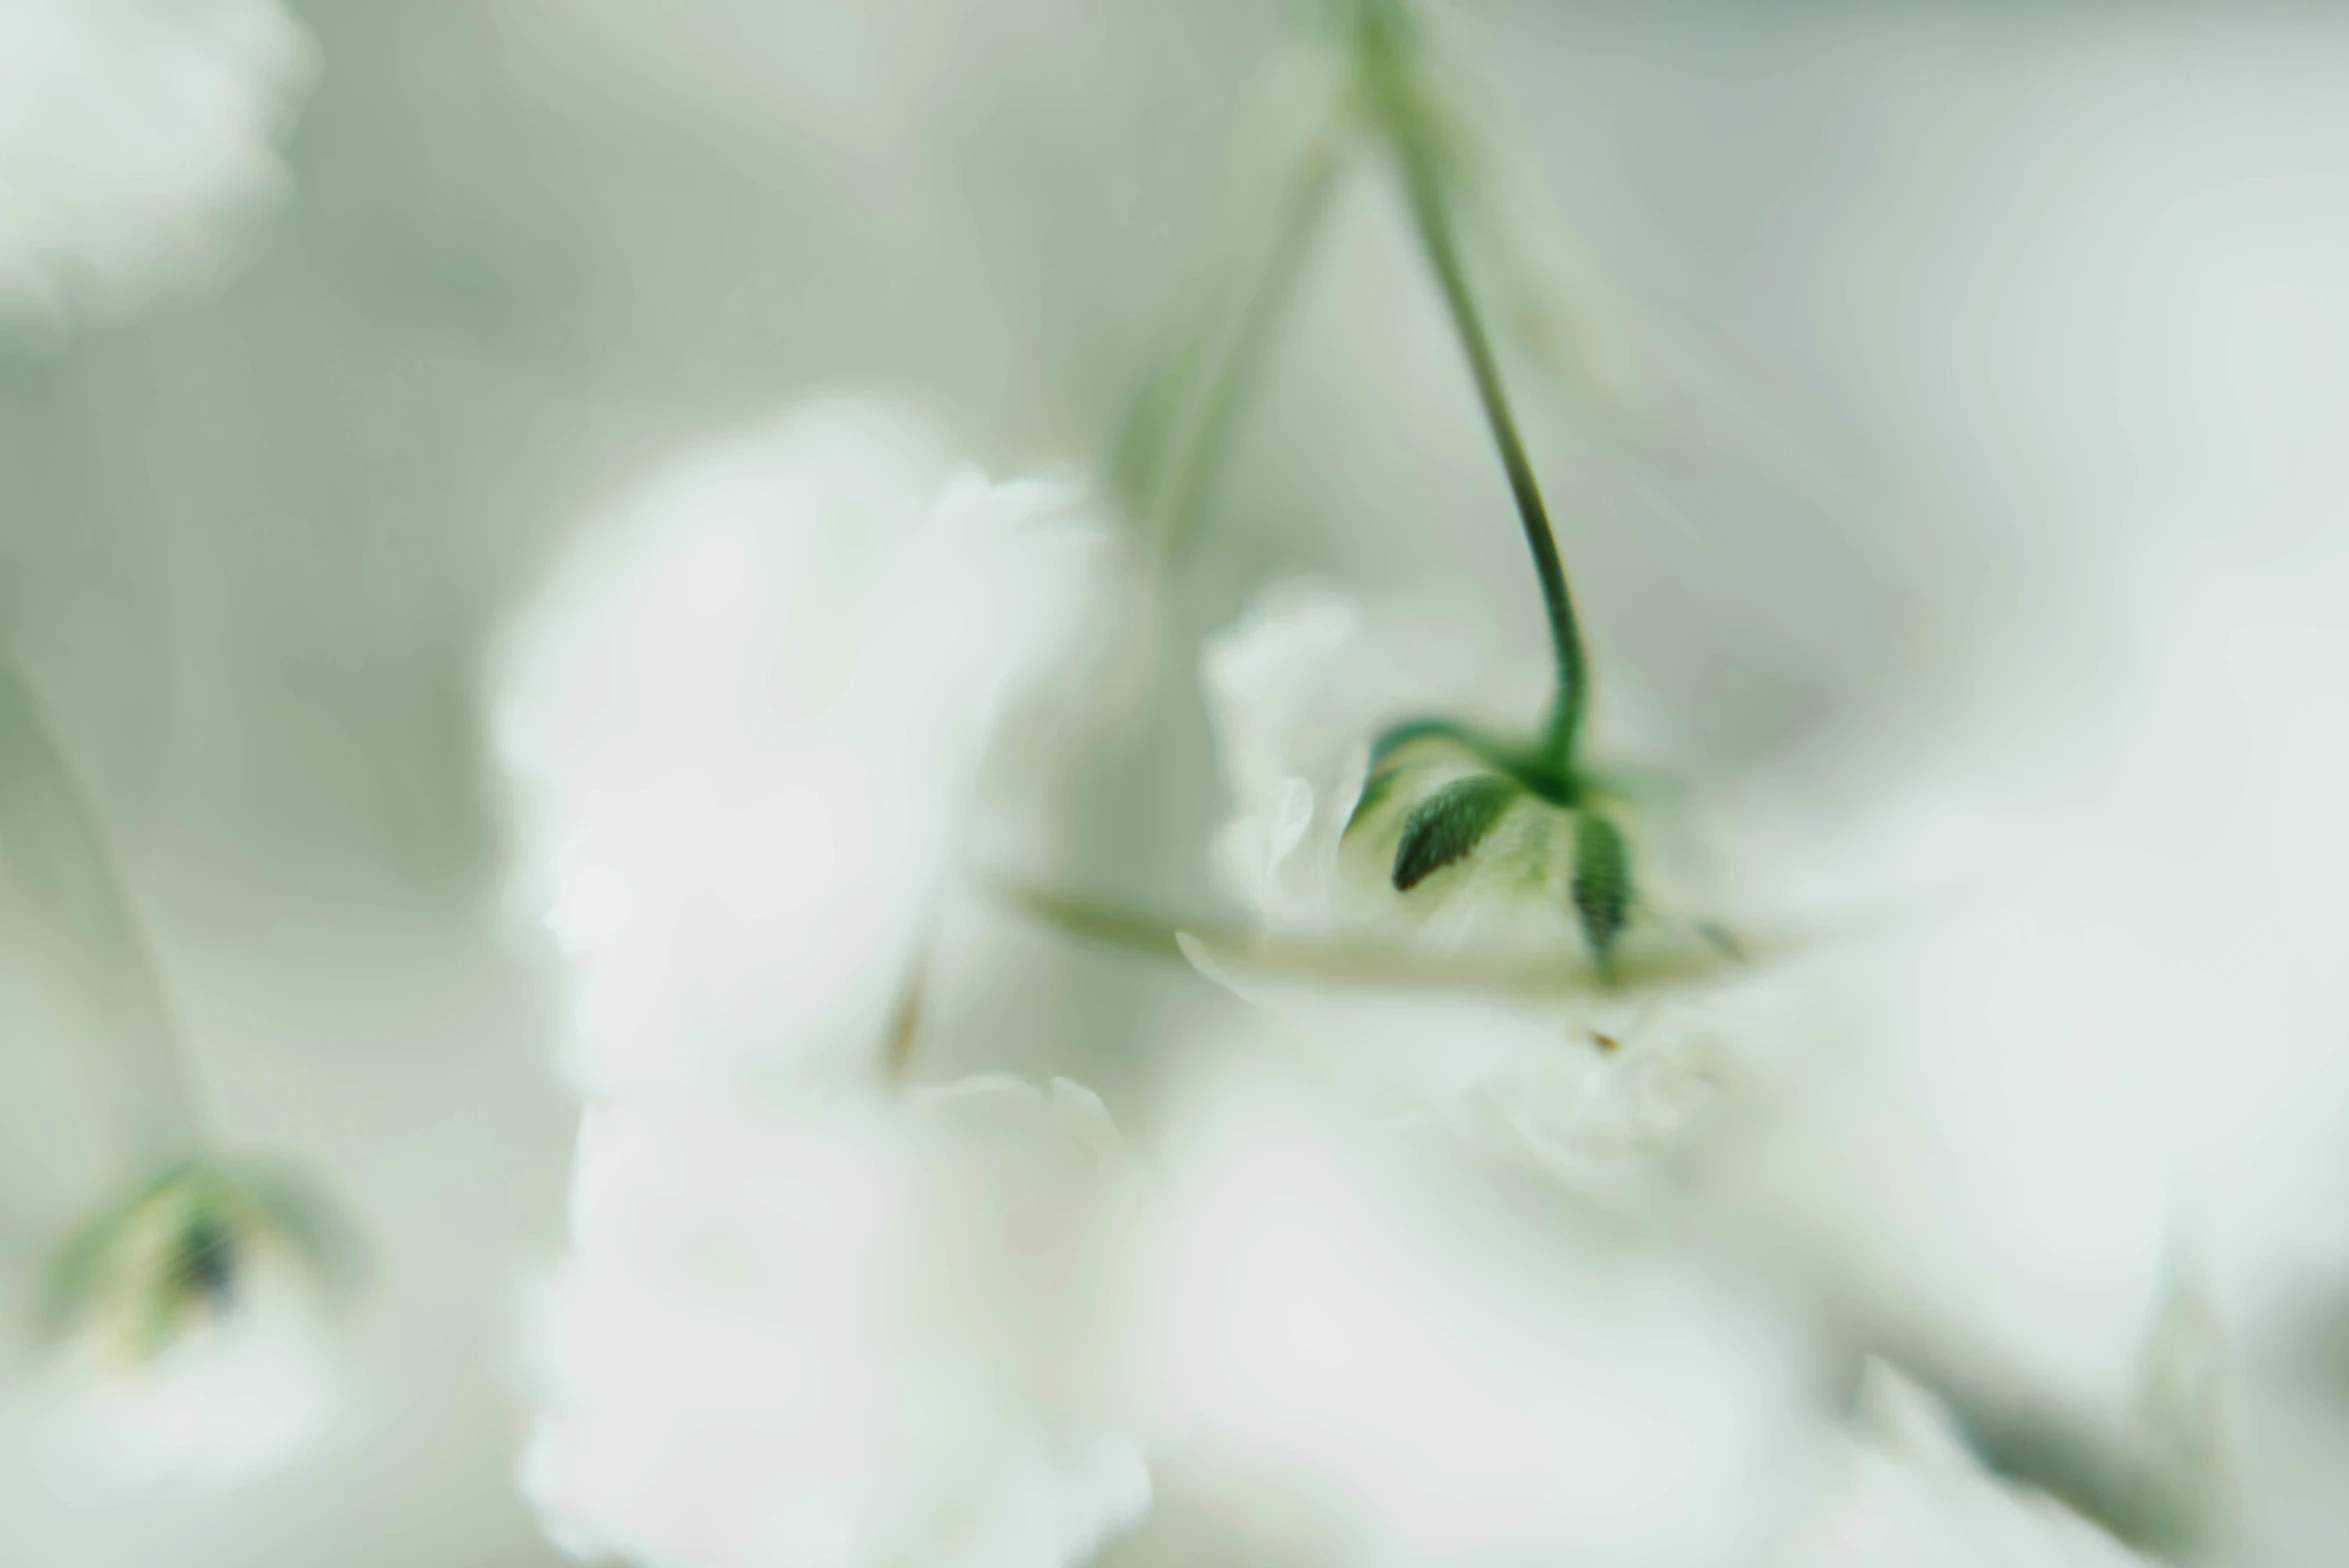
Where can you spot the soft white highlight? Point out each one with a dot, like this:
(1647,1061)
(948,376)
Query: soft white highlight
(228,1399)
(852,1334)
(747,723)
(138,143)
(1401,1362)
(810,1318)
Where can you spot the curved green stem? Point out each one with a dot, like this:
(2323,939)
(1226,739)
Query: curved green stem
(1432,218)
(77,919)
(1402,107)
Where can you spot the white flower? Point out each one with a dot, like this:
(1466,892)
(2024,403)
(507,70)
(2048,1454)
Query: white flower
(1598,1084)
(852,1334)
(135,137)
(1911,1496)
(747,723)
(748,726)
(1598,1091)
(195,1346)
(1297,689)
(1390,1358)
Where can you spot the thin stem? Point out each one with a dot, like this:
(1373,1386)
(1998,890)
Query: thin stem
(1423,184)
(84,924)
(1694,955)
(1179,495)
(1076,915)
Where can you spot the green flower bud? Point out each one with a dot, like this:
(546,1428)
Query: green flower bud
(184,1250)
(1453,796)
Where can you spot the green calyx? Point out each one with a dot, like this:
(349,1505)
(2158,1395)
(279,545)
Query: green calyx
(181,1248)
(1473,781)
(1448,825)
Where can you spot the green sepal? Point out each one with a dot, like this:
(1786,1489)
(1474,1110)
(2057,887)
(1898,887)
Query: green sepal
(1449,824)
(1525,766)
(1602,883)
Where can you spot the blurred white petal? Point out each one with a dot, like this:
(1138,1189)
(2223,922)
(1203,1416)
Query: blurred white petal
(136,136)
(1551,1081)
(1400,1362)
(851,1334)
(1297,689)
(747,723)
(1911,1496)
(2115,1006)
(223,1402)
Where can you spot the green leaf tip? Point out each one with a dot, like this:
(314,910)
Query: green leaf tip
(1602,883)
(1448,825)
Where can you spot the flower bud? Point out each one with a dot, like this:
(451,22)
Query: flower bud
(192,1329)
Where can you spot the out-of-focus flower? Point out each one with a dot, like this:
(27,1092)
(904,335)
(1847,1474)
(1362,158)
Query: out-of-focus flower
(1596,1079)
(747,724)
(1600,1092)
(1385,1356)
(750,726)
(1296,688)
(1910,1494)
(195,1344)
(135,138)
(851,1334)
(1300,689)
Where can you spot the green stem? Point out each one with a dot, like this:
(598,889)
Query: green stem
(79,921)
(1110,925)
(1431,215)
(1180,495)
(1699,954)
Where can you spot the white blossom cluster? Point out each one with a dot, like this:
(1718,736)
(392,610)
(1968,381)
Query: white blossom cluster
(1397,1253)
(814,1312)
(811,1315)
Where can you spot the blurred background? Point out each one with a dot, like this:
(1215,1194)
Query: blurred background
(1968,378)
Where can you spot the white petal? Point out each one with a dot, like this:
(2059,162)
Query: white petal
(135,137)
(1910,1496)
(747,723)
(1379,1343)
(842,1335)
